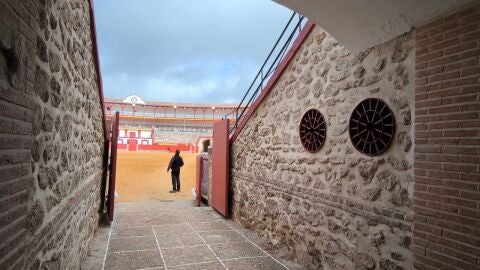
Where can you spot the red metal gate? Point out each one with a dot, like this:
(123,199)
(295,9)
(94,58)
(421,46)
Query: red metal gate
(112,167)
(202,176)
(220,167)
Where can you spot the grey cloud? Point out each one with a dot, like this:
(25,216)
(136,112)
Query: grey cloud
(185,43)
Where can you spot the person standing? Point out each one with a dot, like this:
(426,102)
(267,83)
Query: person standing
(175,163)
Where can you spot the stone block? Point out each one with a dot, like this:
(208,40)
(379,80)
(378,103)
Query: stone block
(259,263)
(213,237)
(132,243)
(134,260)
(236,250)
(188,255)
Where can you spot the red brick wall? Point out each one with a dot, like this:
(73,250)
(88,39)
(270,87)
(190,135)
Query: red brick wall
(447,135)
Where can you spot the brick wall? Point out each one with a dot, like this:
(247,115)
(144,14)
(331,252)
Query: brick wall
(51,137)
(16,112)
(447,138)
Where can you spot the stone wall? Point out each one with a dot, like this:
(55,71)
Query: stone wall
(337,208)
(447,139)
(51,137)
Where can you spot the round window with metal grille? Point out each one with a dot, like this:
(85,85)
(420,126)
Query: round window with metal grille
(372,126)
(313,130)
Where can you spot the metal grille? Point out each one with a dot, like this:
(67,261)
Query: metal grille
(372,127)
(312,130)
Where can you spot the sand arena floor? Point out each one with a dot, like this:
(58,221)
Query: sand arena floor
(143,176)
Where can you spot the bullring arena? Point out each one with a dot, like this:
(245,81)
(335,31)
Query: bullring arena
(149,134)
(357,147)
(142,176)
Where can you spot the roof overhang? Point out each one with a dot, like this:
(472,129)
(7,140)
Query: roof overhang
(361,24)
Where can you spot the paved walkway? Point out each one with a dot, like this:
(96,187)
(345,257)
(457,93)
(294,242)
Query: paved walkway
(177,236)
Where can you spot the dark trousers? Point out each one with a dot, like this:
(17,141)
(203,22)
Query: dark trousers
(176,180)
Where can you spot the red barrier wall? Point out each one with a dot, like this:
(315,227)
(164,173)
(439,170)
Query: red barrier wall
(121,146)
(162,147)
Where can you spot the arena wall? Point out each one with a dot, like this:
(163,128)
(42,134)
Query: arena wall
(51,134)
(415,206)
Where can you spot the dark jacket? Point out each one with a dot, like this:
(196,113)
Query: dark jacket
(175,163)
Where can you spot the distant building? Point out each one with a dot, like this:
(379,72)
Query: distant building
(165,126)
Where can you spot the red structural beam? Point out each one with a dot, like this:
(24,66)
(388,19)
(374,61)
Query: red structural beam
(178,119)
(171,104)
(139,111)
(190,106)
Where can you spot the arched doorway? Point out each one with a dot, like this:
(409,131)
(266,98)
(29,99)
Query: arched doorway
(205,145)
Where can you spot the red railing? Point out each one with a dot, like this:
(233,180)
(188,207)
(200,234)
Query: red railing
(276,56)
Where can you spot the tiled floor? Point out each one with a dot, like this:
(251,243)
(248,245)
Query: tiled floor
(176,236)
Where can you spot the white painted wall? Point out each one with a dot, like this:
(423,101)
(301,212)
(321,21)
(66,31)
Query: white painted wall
(361,24)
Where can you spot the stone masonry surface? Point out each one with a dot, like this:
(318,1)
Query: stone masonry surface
(51,137)
(447,142)
(337,208)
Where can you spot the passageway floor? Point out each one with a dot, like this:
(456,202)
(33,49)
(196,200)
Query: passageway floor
(177,235)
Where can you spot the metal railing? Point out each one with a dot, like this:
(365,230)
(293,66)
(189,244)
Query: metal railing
(292,29)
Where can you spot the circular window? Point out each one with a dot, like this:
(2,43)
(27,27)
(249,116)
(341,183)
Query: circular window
(313,130)
(372,126)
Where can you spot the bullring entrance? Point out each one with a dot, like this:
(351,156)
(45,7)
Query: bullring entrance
(149,133)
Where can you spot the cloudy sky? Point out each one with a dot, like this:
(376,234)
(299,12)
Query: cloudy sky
(185,50)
